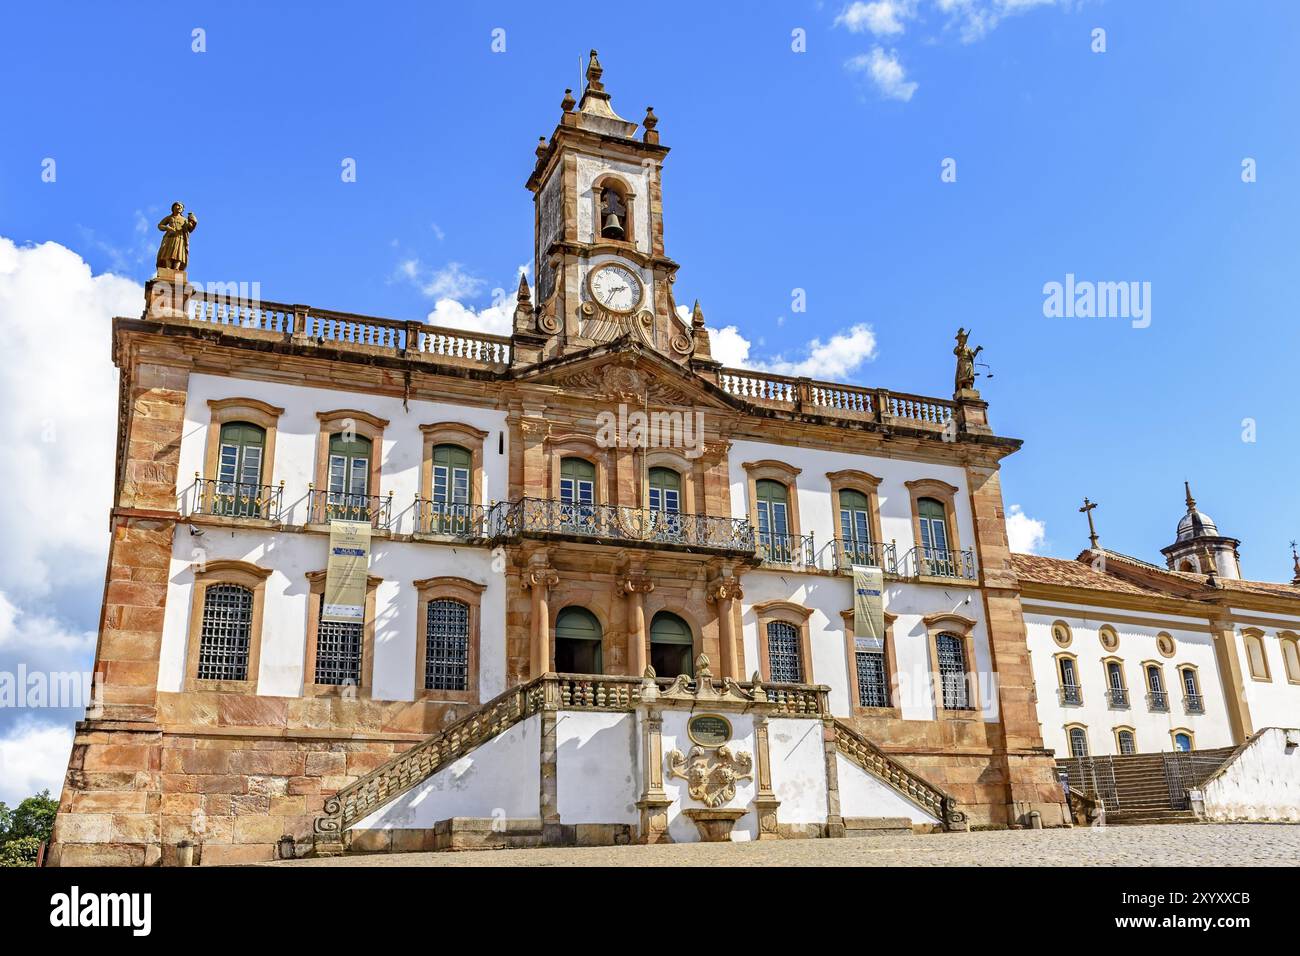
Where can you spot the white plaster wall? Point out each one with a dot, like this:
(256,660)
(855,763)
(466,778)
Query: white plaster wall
(500,779)
(291,556)
(1136,645)
(681,827)
(826,596)
(862,795)
(1263,783)
(1274,702)
(638,177)
(597,767)
(798,769)
(298,431)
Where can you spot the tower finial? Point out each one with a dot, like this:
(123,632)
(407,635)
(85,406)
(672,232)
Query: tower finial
(524,294)
(1211,568)
(1087,509)
(568,103)
(594,72)
(1295,563)
(1191,502)
(697,315)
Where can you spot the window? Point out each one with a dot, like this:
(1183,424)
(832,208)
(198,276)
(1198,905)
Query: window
(339,647)
(1108,637)
(577,494)
(665,490)
(855,528)
(1116,689)
(671,646)
(1165,644)
(1061,634)
(446,645)
(449,495)
(578,641)
(1157,697)
(1256,658)
(873,681)
(225,637)
(238,491)
(1183,740)
(1078,737)
(933,521)
(784,659)
(349,478)
(773,507)
(347,469)
(1125,741)
(1071,693)
(1291,656)
(953,676)
(1193,702)
(613,213)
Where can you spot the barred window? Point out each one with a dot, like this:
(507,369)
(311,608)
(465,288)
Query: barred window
(952,672)
(1127,742)
(873,687)
(338,651)
(783,653)
(446,635)
(1078,742)
(225,633)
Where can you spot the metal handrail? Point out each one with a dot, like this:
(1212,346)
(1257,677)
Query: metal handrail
(1158,701)
(468,522)
(528,516)
(1071,694)
(325,506)
(792,550)
(1117,697)
(1194,703)
(237,499)
(938,562)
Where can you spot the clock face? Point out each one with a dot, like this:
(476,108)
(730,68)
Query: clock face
(616,287)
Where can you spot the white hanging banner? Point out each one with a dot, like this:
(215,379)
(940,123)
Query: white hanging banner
(868,608)
(346,570)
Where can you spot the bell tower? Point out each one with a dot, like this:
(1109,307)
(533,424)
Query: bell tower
(601,271)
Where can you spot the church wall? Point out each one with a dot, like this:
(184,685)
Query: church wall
(798,769)
(680,827)
(1262,783)
(597,768)
(1274,702)
(1137,644)
(862,795)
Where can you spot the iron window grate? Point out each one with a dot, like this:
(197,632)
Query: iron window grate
(952,673)
(446,659)
(225,634)
(783,653)
(338,652)
(873,690)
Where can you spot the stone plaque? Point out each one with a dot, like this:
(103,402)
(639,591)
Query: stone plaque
(709,730)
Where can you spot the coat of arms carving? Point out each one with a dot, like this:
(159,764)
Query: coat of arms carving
(711,775)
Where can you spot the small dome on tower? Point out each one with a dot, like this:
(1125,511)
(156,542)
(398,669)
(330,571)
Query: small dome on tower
(1195,523)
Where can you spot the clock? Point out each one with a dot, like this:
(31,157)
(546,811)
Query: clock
(615,287)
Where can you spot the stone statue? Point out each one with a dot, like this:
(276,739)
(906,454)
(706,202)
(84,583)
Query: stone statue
(965,360)
(174,252)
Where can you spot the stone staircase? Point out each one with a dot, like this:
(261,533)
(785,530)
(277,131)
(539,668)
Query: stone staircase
(1145,788)
(880,765)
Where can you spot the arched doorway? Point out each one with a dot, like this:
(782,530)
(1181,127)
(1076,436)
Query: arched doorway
(672,646)
(578,642)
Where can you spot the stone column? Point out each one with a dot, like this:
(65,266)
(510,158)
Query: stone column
(1232,679)
(636,586)
(654,801)
(765,801)
(723,591)
(540,580)
(834,819)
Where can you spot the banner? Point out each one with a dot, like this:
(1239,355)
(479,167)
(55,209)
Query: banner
(868,608)
(346,571)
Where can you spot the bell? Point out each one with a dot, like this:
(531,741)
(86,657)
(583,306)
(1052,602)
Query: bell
(613,229)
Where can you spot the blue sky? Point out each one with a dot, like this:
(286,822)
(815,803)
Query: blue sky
(789,170)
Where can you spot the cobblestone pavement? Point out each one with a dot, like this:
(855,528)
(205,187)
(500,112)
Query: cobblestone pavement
(1195,845)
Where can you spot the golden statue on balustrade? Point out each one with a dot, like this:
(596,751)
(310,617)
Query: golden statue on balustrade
(174,252)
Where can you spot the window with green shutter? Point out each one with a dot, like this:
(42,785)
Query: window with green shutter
(349,477)
(239,470)
(671,646)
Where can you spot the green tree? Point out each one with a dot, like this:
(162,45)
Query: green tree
(24,828)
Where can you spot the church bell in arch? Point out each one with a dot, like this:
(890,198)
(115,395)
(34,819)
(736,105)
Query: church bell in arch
(613,227)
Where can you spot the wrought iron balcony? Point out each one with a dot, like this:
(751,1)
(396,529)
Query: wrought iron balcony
(1071,694)
(937,563)
(1117,697)
(465,522)
(543,516)
(1158,701)
(237,499)
(1194,704)
(326,506)
(790,550)
(844,555)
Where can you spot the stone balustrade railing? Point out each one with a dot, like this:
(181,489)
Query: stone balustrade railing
(349,331)
(915,788)
(834,400)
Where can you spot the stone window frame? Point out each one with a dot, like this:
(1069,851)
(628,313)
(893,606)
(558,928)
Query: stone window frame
(1175,731)
(463,436)
(891,669)
(226,571)
(1069,634)
(469,593)
(960,626)
(585,447)
(1283,639)
(865,483)
(1166,653)
(652,610)
(254,411)
(1247,635)
(769,469)
(1182,681)
(315,589)
(1087,742)
(1146,676)
(946,495)
(367,426)
(624,188)
(1112,646)
(1123,677)
(1078,677)
(674,461)
(787,612)
(1122,728)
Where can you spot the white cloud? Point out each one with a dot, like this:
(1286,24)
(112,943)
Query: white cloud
(26,632)
(451,281)
(1024,534)
(886,71)
(880,17)
(975,19)
(34,757)
(836,359)
(496,319)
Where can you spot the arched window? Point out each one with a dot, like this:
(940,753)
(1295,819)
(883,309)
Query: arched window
(348,477)
(578,642)
(1182,740)
(225,633)
(1116,689)
(1291,656)
(446,645)
(1256,658)
(1193,702)
(614,220)
(855,528)
(671,646)
(953,677)
(449,489)
(1071,693)
(665,490)
(933,520)
(239,471)
(1126,741)
(1157,697)
(784,659)
(773,509)
(1078,742)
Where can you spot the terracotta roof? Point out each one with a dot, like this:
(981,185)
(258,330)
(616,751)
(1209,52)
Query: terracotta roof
(1066,573)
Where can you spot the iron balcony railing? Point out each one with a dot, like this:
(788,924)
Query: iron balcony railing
(1071,694)
(1194,704)
(530,516)
(460,520)
(938,563)
(787,549)
(326,506)
(843,555)
(237,499)
(1158,701)
(1117,697)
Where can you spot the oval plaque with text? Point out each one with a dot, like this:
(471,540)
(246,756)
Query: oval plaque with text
(709,730)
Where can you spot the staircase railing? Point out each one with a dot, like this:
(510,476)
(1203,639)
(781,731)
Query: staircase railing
(909,784)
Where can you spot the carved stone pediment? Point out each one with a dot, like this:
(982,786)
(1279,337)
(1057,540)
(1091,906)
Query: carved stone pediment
(633,375)
(711,775)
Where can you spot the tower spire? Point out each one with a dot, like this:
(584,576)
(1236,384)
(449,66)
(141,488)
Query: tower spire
(1295,563)
(1087,509)
(1191,502)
